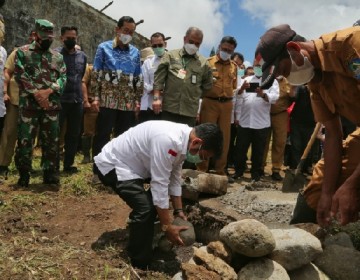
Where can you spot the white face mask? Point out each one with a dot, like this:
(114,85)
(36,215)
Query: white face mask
(300,75)
(224,55)
(191,48)
(125,38)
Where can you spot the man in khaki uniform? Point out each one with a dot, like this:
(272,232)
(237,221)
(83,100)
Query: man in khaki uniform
(278,130)
(90,116)
(331,67)
(181,77)
(11,98)
(216,106)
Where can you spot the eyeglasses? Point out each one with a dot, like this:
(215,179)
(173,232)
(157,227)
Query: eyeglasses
(157,46)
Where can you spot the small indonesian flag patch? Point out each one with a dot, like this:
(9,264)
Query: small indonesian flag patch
(172,152)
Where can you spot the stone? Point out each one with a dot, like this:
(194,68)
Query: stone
(339,263)
(263,269)
(248,237)
(308,272)
(212,263)
(198,272)
(341,239)
(314,229)
(212,183)
(197,181)
(294,247)
(188,235)
(178,276)
(220,250)
(164,244)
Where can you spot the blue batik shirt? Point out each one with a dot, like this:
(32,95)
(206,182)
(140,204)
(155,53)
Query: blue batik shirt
(116,79)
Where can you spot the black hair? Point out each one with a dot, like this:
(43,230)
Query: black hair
(229,39)
(212,138)
(237,54)
(68,28)
(158,34)
(125,19)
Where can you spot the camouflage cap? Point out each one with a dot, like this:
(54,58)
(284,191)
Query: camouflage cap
(42,26)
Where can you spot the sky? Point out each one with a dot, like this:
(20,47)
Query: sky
(246,20)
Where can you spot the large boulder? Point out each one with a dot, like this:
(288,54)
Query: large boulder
(308,272)
(262,269)
(339,263)
(212,263)
(294,247)
(248,237)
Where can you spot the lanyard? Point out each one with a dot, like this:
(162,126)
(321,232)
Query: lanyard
(184,63)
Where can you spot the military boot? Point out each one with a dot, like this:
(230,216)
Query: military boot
(50,177)
(86,146)
(24,179)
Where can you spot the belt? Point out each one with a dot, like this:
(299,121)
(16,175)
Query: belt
(220,99)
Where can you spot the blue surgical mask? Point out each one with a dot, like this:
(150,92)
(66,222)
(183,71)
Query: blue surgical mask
(193,158)
(224,55)
(257,71)
(241,72)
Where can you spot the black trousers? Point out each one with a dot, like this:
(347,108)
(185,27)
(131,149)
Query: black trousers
(167,116)
(72,113)
(111,121)
(257,139)
(148,115)
(142,216)
(303,213)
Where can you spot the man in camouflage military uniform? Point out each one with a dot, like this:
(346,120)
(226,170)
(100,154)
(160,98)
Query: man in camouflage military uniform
(41,75)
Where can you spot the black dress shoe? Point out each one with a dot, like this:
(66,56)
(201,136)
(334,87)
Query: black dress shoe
(71,169)
(276,176)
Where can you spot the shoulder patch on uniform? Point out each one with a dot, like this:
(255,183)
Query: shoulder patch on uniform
(354,67)
(172,152)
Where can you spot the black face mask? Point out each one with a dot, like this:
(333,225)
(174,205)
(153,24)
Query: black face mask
(45,44)
(70,43)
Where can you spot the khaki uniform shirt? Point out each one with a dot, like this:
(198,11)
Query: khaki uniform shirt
(13,90)
(183,78)
(224,78)
(339,90)
(87,79)
(284,100)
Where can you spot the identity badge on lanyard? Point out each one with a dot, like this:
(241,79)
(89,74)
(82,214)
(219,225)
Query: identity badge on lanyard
(181,74)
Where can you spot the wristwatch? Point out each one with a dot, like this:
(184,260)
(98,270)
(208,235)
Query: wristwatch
(164,228)
(155,97)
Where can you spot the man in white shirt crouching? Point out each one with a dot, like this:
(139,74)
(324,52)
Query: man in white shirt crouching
(154,151)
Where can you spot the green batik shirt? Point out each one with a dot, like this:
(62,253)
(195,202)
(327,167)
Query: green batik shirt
(182,78)
(36,69)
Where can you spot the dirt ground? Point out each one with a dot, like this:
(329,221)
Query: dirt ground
(78,231)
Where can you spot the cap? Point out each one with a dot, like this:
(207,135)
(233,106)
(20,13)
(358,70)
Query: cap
(357,23)
(269,50)
(145,53)
(42,26)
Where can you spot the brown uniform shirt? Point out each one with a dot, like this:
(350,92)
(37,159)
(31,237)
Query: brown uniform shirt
(284,100)
(87,79)
(13,90)
(339,90)
(224,78)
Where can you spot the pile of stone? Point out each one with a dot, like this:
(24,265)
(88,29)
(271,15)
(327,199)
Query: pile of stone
(249,250)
